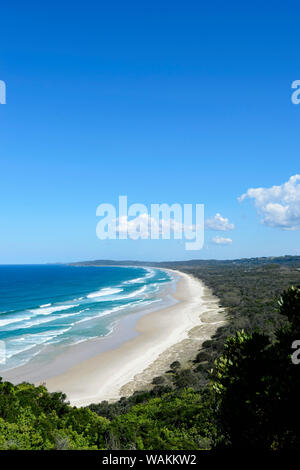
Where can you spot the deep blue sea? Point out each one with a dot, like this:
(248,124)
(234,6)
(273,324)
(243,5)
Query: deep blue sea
(54,304)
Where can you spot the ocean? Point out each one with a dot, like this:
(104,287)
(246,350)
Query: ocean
(43,305)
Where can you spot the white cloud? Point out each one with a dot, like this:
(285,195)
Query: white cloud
(278,206)
(219,223)
(139,224)
(221,240)
(143,225)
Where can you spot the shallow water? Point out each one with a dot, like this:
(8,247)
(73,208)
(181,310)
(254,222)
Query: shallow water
(44,305)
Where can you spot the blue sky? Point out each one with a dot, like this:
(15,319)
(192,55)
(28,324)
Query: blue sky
(164,102)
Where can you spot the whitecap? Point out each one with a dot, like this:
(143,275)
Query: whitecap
(12,320)
(139,280)
(49,310)
(103,292)
(132,294)
(30,341)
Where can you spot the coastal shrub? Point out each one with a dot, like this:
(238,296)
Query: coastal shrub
(170,422)
(202,356)
(175,366)
(158,380)
(159,390)
(185,378)
(257,385)
(33,418)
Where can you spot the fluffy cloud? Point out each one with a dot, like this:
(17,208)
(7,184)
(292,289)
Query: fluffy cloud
(278,206)
(140,223)
(221,240)
(143,225)
(219,223)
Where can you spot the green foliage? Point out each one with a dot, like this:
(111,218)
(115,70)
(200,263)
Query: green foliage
(289,305)
(158,380)
(33,418)
(257,386)
(170,422)
(175,366)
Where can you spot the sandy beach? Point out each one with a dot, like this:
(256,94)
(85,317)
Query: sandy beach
(113,367)
(111,374)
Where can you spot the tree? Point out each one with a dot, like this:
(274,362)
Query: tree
(257,386)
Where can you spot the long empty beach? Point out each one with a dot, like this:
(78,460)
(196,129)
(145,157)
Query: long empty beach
(111,367)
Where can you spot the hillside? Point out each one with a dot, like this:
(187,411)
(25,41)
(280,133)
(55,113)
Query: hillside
(281,260)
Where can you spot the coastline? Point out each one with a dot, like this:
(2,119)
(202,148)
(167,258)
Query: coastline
(113,374)
(106,370)
(206,316)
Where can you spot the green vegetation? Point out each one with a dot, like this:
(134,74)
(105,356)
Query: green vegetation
(32,418)
(241,390)
(257,386)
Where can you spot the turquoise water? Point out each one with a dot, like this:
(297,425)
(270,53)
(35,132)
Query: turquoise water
(47,305)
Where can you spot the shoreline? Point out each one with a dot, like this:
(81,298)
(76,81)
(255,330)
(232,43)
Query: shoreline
(209,315)
(159,337)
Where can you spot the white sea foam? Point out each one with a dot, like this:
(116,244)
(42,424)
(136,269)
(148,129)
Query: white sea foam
(104,313)
(117,309)
(139,280)
(49,310)
(53,318)
(104,292)
(97,315)
(133,294)
(7,311)
(30,341)
(8,321)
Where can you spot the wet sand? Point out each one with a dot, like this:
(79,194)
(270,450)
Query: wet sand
(142,347)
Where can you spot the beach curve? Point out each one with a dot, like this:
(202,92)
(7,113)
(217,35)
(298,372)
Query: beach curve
(171,332)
